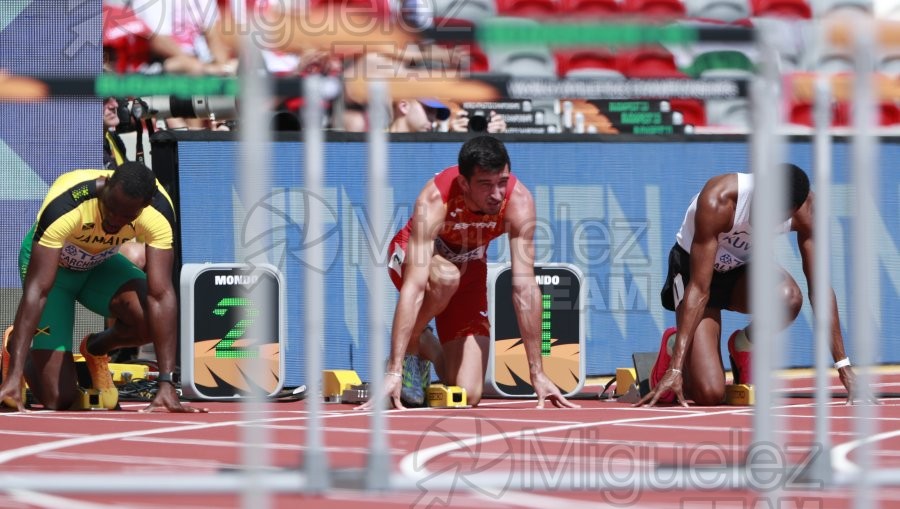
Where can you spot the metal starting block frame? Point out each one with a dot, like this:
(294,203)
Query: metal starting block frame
(355,395)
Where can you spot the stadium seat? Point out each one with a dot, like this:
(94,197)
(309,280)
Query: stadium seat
(594,62)
(782,8)
(721,10)
(472,10)
(801,113)
(728,112)
(655,8)
(693,110)
(648,62)
(721,63)
(528,8)
(889,61)
(590,8)
(527,62)
(533,60)
(824,7)
(833,61)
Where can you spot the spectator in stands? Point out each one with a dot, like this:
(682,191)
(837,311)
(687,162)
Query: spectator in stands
(417,115)
(113,147)
(186,36)
(187,39)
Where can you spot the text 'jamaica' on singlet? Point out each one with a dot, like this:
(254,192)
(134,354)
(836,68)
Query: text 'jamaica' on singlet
(69,220)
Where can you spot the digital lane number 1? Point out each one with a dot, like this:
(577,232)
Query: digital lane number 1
(547,300)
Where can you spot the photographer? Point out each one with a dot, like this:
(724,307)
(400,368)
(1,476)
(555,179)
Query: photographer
(416,115)
(113,146)
(462,121)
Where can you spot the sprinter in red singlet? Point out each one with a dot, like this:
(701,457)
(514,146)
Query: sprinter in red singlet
(438,262)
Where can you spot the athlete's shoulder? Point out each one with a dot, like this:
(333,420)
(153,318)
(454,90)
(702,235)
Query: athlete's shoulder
(75,176)
(719,197)
(445,181)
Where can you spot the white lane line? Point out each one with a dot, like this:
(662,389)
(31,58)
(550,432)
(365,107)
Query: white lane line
(45,501)
(413,464)
(35,449)
(840,453)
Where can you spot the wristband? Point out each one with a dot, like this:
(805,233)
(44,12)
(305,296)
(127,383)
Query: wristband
(843,363)
(675,370)
(166,377)
(395,373)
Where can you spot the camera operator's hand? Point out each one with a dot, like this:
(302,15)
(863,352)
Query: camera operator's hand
(496,123)
(220,68)
(460,122)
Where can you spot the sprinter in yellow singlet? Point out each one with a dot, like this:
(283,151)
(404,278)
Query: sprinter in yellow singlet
(71,254)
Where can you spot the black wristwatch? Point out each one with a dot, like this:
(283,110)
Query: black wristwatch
(166,377)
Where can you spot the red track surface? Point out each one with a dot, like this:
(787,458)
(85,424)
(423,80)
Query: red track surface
(576,452)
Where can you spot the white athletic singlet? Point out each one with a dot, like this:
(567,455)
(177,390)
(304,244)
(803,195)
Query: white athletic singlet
(735,245)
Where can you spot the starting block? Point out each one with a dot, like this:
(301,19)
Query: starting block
(92,399)
(443,396)
(625,378)
(740,395)
(336,381)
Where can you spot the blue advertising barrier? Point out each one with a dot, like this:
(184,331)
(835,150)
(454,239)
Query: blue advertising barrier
(611,209)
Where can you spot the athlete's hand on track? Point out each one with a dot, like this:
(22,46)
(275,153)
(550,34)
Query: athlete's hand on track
(167,400)
(545,389)
(391,388)
(11,395)
(671,381)
(855,393)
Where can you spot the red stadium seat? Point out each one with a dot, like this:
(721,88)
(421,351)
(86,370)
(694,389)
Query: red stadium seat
(693,110)
(569,61)
(590,8)
(842,114)
(648,62)
(782,9)
(528,8)
(656,8)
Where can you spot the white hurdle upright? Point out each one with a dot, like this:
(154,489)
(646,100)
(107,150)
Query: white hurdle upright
(822,277)
(865,263)
(378,468)
(255,142)
(767,313)
(315,459)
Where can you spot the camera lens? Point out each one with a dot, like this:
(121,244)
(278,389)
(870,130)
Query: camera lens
(478,123)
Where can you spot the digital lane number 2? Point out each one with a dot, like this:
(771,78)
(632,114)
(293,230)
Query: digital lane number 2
(225,348)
